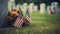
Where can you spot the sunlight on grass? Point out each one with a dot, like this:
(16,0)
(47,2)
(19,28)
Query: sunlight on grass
(41,24)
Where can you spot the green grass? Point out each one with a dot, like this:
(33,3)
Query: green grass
(41,24)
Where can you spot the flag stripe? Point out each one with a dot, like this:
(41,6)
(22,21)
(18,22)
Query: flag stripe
(28,19)
(19,22)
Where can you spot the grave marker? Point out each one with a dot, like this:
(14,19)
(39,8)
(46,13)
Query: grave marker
(54,6)
(11,4)
(31,7)
(35,8)
(17,6)
(25,7)
(42,8)
(49,9)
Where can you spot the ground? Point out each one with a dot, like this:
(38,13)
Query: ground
(41,24)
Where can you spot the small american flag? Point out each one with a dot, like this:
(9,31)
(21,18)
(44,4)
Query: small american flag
(19,21)
(28,17)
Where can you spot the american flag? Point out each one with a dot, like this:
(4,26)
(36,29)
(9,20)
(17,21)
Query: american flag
(28,17)
(19,21)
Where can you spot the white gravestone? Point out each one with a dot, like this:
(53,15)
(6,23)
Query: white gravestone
(25,7)
(42,8)
(54,6)
(21,6)
(31,7)
(49,9)
(11,5)
(17,6)
(35,8)
(11,0)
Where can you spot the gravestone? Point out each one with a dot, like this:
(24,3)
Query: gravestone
(35,8)
(25,7)
(49,9)
(12,0)
(21,6)
(17,6)
(42,8)
(11,4)
(31,7)
(54,6)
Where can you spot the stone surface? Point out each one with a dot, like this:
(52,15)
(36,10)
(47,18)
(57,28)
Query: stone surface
(42,8)
(31,7)
(35,8)
(48,9)
(17,6)
(54,6)
(11,5)
(25,7)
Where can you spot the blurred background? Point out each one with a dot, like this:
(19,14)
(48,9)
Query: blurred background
(37,2)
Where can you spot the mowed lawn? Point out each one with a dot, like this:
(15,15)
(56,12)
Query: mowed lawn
(41,24)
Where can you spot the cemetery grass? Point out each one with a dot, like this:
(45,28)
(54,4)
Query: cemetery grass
(41,24)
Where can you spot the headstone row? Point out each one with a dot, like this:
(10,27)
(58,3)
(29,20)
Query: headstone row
(31,7)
